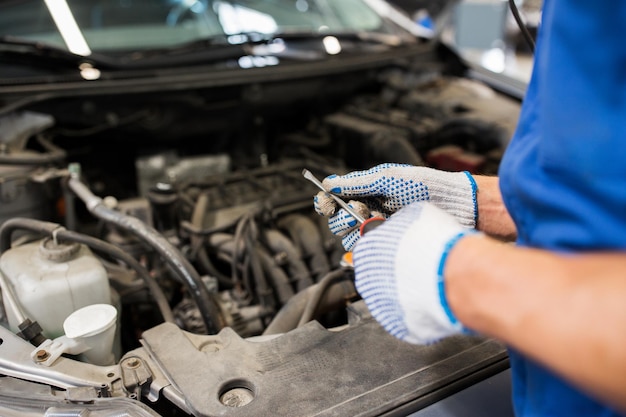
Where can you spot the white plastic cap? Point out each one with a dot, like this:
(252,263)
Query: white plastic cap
(90,320)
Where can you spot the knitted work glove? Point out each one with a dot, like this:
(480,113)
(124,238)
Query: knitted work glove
(387,188)
(342,223)
(399,273)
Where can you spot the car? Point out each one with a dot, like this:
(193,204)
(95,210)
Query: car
(160,251)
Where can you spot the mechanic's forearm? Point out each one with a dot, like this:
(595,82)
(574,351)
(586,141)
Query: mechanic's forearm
(493,217)
(566,312)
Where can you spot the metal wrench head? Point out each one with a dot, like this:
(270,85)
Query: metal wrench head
(309,176)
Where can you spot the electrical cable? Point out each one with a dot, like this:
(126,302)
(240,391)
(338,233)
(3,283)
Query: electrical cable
(522,27)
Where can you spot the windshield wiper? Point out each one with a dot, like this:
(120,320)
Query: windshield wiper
(44,54)
(289,45)
(296,45)
(202,50)
(40,52)
(355,36)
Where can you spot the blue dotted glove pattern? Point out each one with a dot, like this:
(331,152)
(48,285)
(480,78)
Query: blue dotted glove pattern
(398,269)
(342,222)
(375,271)
(389,187)
(386,184)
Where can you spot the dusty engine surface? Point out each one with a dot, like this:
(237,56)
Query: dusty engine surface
(196,208)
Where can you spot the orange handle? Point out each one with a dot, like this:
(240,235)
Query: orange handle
(371,223)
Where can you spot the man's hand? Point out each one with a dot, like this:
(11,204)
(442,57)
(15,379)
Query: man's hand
(399,272)
(386,188)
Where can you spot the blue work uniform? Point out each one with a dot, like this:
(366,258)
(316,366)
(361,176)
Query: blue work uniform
(563,177)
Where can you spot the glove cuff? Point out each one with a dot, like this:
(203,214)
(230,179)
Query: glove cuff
(455,192)
(441,285)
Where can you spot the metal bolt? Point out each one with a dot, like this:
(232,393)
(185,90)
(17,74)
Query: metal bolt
(42,355)
(237,397)
(132,363)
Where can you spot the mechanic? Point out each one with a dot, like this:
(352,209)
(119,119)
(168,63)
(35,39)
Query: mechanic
(439,264)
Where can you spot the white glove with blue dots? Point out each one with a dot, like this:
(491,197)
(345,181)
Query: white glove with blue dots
(399,272)
(384,189)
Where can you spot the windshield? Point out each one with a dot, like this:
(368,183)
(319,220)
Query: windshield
(83,27)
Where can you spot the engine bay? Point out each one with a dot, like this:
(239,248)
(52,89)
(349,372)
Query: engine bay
(186,210)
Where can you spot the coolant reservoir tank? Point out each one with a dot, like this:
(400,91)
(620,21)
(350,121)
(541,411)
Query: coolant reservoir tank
(52,280)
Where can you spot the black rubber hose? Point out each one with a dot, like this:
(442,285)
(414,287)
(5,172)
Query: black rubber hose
(316,295)
(97,245)
(207,305)
(276,275)
(239,246)
(306,234)
(289,315)
(16,223)
(245,236)
(103,247)
(278,243)
(197,220)
(262,288)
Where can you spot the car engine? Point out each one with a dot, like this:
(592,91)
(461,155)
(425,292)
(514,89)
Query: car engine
(184,209)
